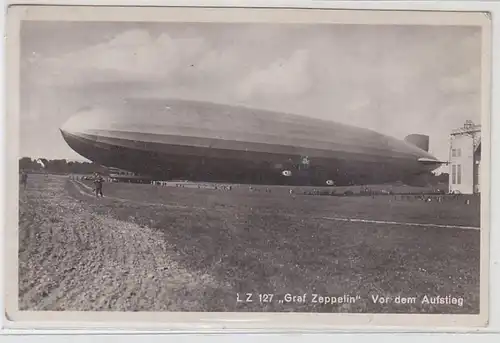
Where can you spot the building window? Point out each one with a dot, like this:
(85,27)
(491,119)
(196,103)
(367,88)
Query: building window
(453,174)
(459,174)
(456,152)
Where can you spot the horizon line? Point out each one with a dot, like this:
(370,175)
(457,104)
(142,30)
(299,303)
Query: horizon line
(59,158)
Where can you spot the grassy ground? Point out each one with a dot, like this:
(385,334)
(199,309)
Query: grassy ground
(146,247)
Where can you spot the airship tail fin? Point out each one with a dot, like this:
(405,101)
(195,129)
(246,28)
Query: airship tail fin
(420,141)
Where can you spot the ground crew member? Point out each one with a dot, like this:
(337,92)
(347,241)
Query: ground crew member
(24,179)
(98,181)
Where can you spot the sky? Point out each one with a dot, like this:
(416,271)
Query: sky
(396,80)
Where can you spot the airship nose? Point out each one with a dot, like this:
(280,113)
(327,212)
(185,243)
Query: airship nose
(81,129)
(82,123)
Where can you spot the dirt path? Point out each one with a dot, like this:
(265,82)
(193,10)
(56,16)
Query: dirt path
(73,259)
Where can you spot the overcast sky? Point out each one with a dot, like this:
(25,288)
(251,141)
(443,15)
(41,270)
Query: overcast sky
(396,80)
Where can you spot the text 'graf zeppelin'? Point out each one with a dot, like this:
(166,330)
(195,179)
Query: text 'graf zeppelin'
(289,298)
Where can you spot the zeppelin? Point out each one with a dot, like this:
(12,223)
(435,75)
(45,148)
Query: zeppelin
(201,141)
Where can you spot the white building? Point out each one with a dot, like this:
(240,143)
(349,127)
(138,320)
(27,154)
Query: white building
(465,159)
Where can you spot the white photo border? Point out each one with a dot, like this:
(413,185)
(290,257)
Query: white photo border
(213,320)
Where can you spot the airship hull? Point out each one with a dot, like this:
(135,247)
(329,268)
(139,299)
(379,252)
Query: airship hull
(209,142)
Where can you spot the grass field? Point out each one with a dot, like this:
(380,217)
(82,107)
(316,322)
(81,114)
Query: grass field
(144,248)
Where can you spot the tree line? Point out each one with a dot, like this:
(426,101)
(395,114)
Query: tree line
(59,166)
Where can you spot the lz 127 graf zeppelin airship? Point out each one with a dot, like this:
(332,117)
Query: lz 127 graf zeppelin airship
(200,141)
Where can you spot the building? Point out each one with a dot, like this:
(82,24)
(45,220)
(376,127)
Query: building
(465,159)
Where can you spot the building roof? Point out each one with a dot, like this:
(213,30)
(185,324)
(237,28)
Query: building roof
(468,128)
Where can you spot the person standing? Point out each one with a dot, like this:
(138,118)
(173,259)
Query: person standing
(24,179)
(98,181)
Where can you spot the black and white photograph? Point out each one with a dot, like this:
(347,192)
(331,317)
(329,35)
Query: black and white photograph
(272,163)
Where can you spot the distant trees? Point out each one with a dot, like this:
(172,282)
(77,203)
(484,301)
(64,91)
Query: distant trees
(60,166)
